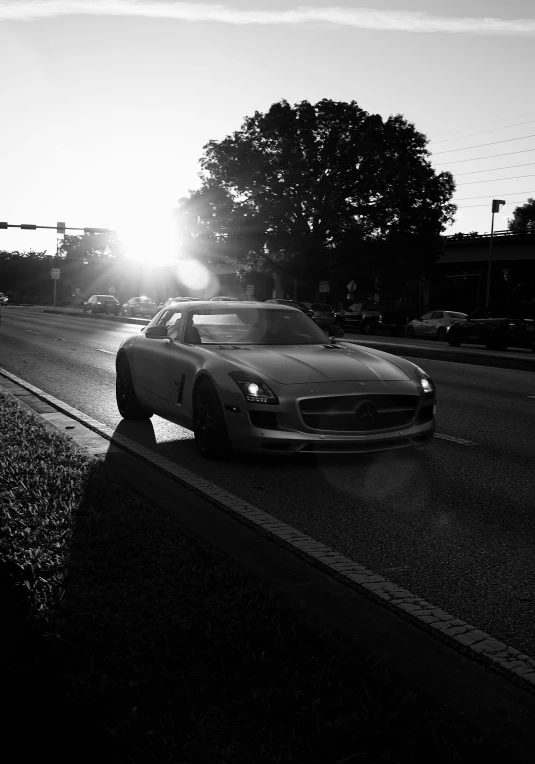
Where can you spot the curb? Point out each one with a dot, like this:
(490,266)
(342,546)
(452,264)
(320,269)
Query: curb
(449,354)
(366,607)
(101,316)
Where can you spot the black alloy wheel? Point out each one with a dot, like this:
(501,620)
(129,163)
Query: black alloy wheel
(209,425)
(127,402)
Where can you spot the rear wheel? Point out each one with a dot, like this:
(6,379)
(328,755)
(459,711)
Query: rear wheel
(209,425)
(127,402)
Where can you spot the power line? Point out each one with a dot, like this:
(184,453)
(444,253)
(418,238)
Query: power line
(494,180)
(486,196)
(482,132)
(491,169)
(524,114)
(480,145)
(489,156)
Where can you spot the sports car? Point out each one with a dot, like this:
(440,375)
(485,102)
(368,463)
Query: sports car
(265,378)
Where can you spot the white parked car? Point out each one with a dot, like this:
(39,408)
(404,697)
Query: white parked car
(265,378)
(434,324)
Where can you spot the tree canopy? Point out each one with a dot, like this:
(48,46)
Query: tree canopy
(523,220)
(310,187)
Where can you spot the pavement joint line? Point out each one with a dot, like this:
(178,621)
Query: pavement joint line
(455,632)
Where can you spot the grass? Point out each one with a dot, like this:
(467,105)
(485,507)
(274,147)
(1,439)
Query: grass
(129,640)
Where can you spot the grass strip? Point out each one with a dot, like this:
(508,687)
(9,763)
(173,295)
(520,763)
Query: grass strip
(128,639)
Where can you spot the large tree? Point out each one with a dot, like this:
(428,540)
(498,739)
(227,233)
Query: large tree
(523,220)
(309,188)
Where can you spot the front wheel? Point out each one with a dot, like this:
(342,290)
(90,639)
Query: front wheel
(209,425)
(127,402)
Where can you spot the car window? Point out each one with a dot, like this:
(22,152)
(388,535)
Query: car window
(251,326)
(452,314)
(437,314)
(427,317)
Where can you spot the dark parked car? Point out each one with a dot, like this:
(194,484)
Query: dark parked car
(360,317)
(323,314)
(303,306)
(494,330)
(140,306)
(102,303)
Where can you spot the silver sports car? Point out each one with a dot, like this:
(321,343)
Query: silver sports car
(265,378)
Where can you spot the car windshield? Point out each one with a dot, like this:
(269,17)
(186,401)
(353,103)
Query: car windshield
(452,314)
(105,298)
(252,326)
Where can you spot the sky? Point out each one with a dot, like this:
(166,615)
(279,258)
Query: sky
(106,104)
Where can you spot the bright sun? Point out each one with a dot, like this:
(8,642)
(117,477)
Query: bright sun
(148,237)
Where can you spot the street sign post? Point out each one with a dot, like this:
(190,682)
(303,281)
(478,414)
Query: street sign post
(249,290)
(54,275)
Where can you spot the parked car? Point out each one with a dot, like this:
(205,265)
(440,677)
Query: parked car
(361,317)
(434,324)
(291,392)
(3,299)
(322,314)
(494,331)
(102,303)
(140,306)
(303,306)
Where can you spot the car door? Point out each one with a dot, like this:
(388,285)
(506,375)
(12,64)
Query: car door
(152,361)
(435,322)
(421,325)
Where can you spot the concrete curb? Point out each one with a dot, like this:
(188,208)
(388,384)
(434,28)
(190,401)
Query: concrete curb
(443,656)
(485,358)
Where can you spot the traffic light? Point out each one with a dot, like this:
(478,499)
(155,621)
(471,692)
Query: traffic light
(3,225)
(60,228)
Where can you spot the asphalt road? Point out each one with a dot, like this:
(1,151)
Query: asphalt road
(452,523)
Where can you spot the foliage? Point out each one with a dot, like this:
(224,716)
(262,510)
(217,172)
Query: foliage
(304,189)
(91,246)
(523,220)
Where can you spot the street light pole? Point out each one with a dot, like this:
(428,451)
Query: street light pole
(496,204)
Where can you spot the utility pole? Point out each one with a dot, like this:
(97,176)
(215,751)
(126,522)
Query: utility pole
(496,204)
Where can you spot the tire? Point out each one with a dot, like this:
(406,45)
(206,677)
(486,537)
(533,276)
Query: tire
(209,425)
(410,332)
(441,334)
(127,402)
(454,342)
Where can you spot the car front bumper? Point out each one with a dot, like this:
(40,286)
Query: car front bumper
(290,435)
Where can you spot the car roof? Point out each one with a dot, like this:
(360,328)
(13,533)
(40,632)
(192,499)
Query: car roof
(212,304)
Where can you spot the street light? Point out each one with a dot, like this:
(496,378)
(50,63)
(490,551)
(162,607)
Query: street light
(496,204)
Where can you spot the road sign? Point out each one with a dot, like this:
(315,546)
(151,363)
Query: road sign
(249,289)
(112,290)
(55,273)
(324,286)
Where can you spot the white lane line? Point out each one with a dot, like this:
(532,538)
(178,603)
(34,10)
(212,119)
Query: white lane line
(111,352)
(32,332)
(460,441)
(479,643)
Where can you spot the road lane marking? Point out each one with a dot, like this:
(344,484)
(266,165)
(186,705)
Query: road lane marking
(453,439)
(111,352)
(32,332)
(477,643)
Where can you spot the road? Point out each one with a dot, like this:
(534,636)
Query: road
(452,523)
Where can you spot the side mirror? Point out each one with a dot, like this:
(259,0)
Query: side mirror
(159,331)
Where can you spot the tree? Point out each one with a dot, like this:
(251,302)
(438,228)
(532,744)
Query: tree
(91,246)
(523,220)
(306,189)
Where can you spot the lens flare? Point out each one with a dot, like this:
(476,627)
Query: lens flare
(193,274)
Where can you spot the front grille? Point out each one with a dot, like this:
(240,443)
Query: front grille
(359,413)
(265,420)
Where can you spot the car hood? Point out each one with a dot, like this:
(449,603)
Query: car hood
(303,364)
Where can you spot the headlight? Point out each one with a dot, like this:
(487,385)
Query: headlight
(425,381)
(254,389)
